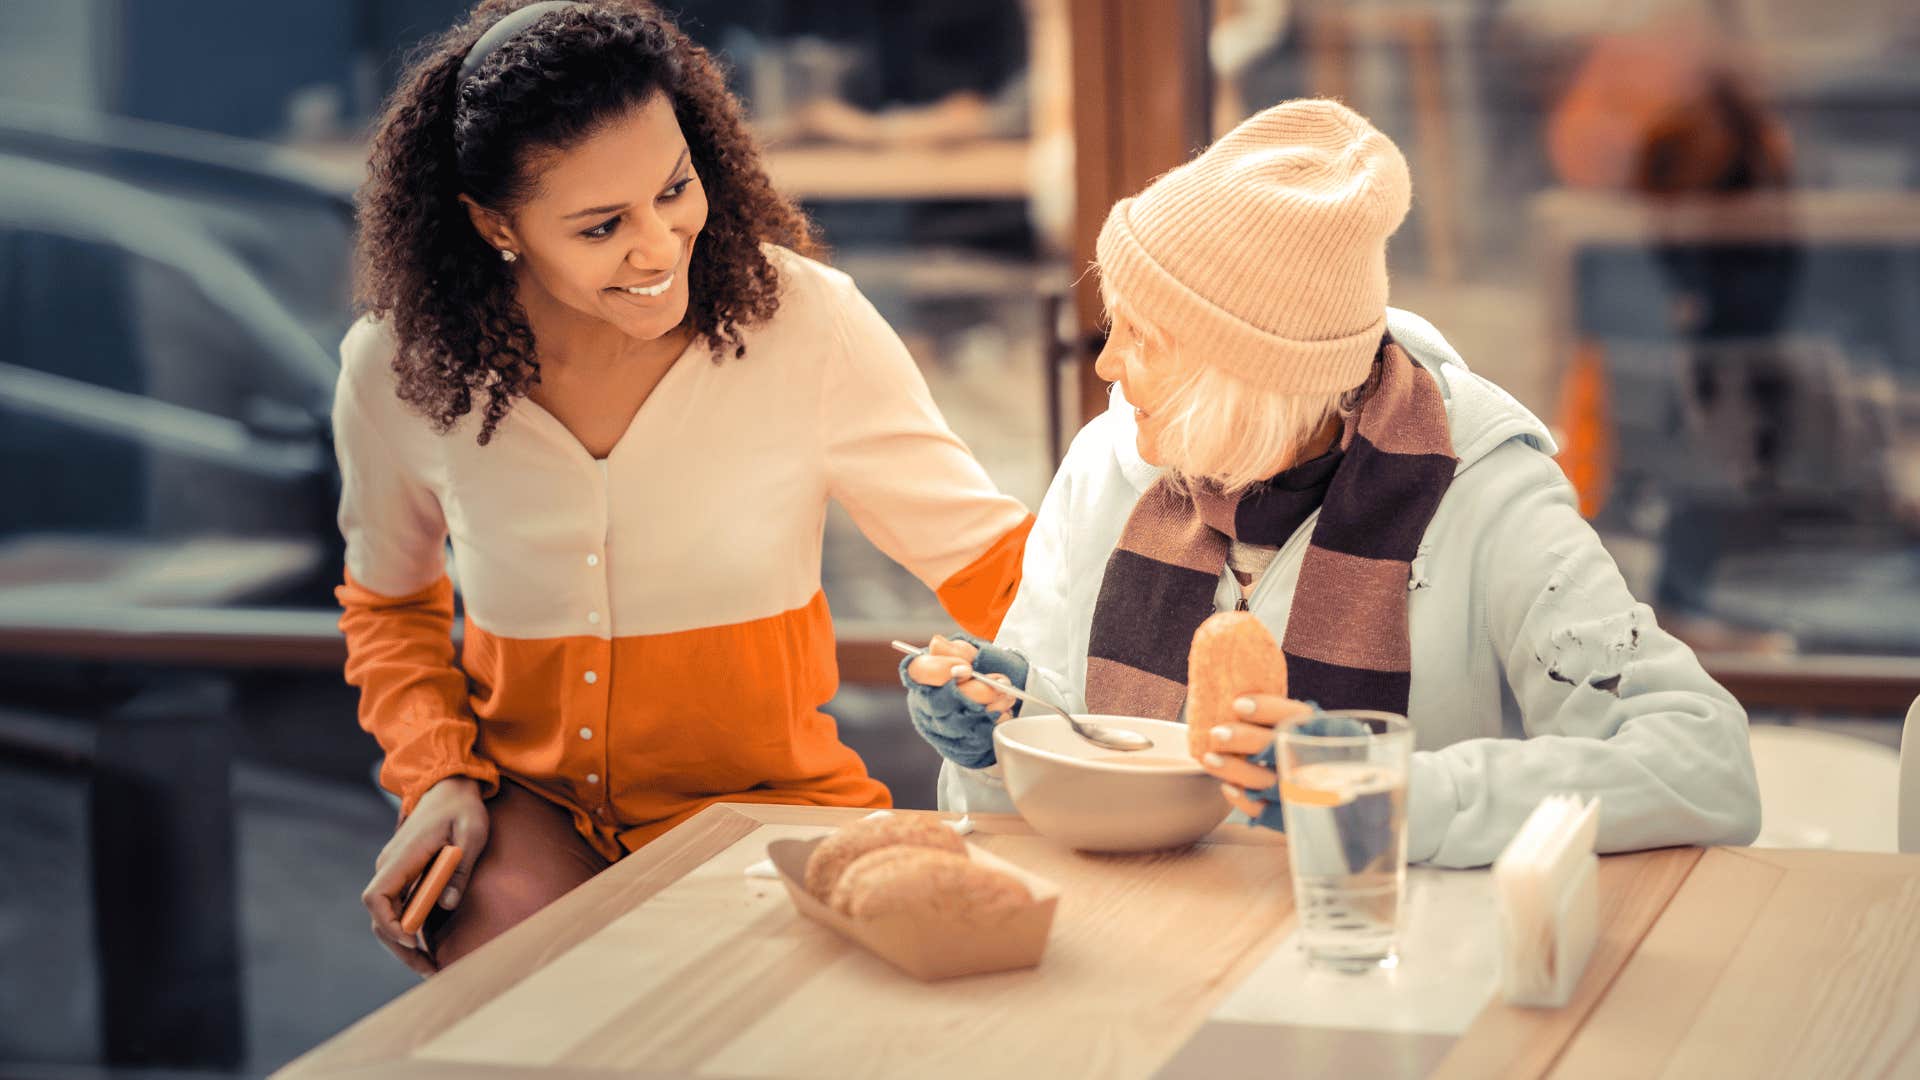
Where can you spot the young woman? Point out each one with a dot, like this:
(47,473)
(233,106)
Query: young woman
(596,358)
(1283,441)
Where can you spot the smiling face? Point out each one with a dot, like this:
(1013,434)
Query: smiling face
(1126,359)
(609,230)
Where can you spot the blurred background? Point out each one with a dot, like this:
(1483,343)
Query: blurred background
(1686,233)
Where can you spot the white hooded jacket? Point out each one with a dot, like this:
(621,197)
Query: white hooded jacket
(1534,669)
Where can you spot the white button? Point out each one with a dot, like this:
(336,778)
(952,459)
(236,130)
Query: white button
(593,560)
(591,677)
(586,733)
(593,778)
(593,617)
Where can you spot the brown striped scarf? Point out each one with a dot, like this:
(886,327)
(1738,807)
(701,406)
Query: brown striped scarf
(1346,642)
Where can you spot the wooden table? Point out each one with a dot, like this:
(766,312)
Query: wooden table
(1717,962)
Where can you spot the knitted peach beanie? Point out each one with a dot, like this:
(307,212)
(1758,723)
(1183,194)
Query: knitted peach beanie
(1266,256)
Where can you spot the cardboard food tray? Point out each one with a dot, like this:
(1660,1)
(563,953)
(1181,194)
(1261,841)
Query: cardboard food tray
(933,948)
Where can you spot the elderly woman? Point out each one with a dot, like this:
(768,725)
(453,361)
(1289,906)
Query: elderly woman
(1283,442)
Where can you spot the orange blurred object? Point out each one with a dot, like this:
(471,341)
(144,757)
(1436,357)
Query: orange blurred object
(1667,111)
(1586,424)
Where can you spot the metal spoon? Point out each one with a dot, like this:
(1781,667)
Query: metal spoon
(1100,735)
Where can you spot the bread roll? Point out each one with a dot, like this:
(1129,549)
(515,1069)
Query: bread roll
(838,851)
(1233,655)
(925,883)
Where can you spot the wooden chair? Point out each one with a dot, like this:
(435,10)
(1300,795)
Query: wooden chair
(1822,789)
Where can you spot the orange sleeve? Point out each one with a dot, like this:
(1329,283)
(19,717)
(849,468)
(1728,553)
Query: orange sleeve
(979,594)
(397,598)
(413,699)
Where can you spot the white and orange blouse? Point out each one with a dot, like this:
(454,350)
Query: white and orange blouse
(645,634)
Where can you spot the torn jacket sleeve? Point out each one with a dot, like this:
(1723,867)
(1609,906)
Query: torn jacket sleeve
(1613,706)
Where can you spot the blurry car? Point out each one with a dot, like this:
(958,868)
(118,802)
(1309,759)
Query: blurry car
(169,305)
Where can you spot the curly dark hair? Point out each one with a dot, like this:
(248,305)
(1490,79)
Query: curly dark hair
(423,267)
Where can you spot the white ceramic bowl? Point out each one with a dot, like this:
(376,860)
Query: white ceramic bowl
(1105,800)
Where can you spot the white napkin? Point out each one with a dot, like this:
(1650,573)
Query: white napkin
(1546,882)
(963,826)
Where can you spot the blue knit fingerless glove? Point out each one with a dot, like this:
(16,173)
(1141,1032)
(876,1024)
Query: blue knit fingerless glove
(1269,797)
(960,728)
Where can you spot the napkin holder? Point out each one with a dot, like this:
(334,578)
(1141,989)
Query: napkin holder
(1547,888)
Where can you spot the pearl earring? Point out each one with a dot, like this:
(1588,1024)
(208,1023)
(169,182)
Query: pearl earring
(507,256)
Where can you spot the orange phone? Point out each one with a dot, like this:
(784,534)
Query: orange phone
(426,892)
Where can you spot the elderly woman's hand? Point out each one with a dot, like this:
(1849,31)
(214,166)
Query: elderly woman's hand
(1241,754)
(951,697)
(946,657)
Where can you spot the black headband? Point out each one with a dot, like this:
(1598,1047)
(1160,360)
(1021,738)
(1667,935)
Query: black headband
(506,29)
